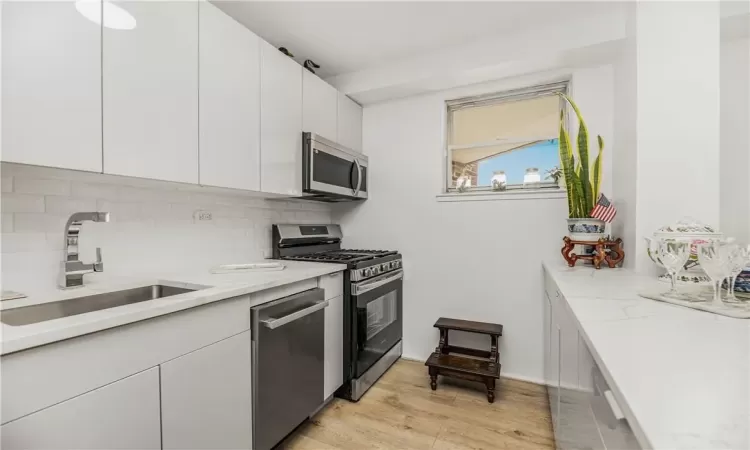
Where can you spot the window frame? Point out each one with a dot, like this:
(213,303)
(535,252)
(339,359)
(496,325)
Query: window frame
(525,93)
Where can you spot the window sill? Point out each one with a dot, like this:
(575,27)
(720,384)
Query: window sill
(515,194)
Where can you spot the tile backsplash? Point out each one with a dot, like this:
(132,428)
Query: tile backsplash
(153,225)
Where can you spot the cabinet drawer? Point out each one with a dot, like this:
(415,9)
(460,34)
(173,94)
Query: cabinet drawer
(613,426)
(333,284)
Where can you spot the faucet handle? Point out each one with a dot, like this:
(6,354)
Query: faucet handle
(98,264)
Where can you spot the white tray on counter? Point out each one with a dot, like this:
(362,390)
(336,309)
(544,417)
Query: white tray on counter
(709,306)
(249,267)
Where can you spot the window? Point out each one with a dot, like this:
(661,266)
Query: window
(509,138)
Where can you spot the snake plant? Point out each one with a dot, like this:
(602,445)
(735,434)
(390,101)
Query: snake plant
(582,182)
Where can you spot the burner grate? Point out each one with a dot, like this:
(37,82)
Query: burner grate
(340,255)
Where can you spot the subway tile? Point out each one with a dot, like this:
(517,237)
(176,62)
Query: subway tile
(68,205)
(138,194)
(23,185)
(32,222)
(24,242)
(182,211)
(94,190)
(232,222)
(121,211)
(25,203)
(7,183)
(7,222)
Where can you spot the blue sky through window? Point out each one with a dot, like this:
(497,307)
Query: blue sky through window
(543,156)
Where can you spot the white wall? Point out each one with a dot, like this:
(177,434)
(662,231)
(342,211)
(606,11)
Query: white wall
(151,229)
(470,260)
(735,139)
(624,174)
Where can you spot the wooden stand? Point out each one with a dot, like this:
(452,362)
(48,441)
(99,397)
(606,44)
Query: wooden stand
(613,257)
(485,370)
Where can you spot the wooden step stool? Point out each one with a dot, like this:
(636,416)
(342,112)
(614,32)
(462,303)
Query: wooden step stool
(485,370)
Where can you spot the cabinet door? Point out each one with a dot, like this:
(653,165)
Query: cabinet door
(547,338)
(124,414)
(229,102)
(281,122)
(319,106)
(349,123)
(553,374)
(554,387)
(206,397)
(150,86)
(51,86)
(576,427)
(333,373)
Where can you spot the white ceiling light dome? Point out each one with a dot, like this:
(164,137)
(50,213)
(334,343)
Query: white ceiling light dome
(115,17)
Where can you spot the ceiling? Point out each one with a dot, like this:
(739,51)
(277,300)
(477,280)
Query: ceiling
(346,37)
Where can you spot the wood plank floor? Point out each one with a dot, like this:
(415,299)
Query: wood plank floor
(402,412)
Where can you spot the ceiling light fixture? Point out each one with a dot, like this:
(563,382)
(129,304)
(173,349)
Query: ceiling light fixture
(115,17)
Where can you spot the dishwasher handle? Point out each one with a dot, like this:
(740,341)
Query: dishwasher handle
(275,323)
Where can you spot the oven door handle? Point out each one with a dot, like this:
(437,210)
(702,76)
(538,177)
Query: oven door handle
(273,324)
(367,286)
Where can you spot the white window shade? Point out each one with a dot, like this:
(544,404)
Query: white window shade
(484,131)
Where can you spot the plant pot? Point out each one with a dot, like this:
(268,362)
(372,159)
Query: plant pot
(586,229)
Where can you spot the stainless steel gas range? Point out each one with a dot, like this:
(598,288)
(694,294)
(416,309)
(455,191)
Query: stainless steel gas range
(373,299)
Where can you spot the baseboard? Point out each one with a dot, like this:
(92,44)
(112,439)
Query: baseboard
(511,376)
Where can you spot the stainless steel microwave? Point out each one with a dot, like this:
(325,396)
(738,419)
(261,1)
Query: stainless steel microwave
(331,172)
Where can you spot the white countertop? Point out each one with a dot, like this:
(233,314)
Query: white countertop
(683,374)
(217,287)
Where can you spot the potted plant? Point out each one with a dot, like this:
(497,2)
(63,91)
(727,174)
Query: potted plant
(555,174)
(582,179)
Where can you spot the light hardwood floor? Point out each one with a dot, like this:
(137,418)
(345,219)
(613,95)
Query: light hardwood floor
(402,412)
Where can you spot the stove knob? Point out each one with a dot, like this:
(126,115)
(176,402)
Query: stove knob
(367,272)
(384,267)
(397,264)
(376,270)
(391,265)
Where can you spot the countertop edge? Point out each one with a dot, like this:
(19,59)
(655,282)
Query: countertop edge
(211,294)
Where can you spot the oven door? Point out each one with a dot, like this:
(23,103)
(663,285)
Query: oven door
(329,168)
(378,319)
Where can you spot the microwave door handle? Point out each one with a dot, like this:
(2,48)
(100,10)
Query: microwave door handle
(359,177)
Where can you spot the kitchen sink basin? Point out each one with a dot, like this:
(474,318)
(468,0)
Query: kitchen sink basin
(81,305)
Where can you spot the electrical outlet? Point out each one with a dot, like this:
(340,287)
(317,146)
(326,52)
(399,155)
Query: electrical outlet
(201,216)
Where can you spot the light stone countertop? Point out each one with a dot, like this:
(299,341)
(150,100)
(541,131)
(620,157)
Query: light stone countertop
(684,374)
(212,288)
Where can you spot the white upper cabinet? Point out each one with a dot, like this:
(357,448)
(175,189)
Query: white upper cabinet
(229,102)
(281,122)
(150,87)
(51,86)
(349,123)
(124,414)
(319,106)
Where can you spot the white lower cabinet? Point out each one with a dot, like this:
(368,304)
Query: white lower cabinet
(123,415)
(552,358)
(581,416)
(333,373)
(206,397)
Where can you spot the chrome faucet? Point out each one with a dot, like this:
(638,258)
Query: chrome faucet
(72,268)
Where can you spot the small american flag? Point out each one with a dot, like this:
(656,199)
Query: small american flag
(603,209)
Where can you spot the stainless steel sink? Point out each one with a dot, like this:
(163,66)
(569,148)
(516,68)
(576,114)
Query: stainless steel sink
(80,305)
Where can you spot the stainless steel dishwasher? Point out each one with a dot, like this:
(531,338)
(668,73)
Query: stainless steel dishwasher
(287,364)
